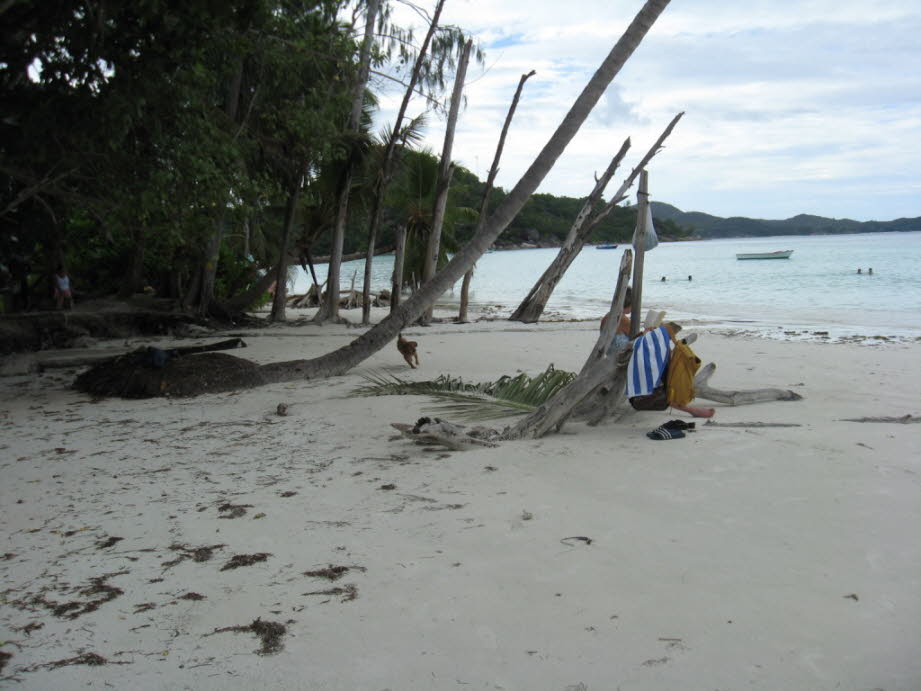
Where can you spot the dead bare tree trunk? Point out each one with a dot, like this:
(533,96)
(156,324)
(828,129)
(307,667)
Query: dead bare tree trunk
(377,209)
(445,171)
(601,371)
(399,254)
(329,309)
(639,244)
(532,306)
(487,190)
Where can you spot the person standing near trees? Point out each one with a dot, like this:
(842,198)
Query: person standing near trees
(62,290)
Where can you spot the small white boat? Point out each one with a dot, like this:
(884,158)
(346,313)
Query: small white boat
(779,254)
(606,247)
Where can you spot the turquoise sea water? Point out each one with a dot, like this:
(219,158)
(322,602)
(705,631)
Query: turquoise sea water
(818,288)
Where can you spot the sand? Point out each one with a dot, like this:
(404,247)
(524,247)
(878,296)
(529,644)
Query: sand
(209,543)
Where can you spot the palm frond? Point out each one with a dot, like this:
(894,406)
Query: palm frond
(505,396)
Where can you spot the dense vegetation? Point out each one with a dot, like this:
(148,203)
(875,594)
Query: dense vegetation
(155,145)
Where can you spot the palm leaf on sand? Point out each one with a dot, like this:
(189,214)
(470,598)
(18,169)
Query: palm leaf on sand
(505,396)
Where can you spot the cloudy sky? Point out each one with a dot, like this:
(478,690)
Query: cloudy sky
(811,106)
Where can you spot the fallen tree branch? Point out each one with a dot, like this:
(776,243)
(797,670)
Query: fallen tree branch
(734,398)
(712,423)
(903,420)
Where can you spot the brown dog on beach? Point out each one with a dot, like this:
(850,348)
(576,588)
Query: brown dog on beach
(408,350)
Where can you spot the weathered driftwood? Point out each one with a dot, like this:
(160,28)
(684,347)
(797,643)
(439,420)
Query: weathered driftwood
(734,398)
(456,437)
(903,420)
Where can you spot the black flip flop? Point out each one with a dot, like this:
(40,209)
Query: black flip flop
(679,424)
(664,433)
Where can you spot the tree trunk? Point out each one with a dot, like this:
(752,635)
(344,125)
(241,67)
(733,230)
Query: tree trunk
(132,281)
(209,268)
(374,339)
(445,171)
(600,370)
(531,308)
(487,190)
(396,283)
(213,248)
(329,309)
(639,244)
(281,271)
(387,166)
(464,298)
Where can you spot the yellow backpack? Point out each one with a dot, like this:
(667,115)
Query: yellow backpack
(682,366)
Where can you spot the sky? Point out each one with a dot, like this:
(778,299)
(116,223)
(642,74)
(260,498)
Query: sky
(811,106)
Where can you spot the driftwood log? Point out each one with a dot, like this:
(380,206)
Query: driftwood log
(733,398)
(456,437)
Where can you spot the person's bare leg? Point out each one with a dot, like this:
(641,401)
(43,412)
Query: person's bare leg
(696,410)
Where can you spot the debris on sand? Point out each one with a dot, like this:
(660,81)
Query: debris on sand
(238,560)
(72,610)
(333,573)
(348,592)
(233,510)
(198,554)
(105,544)
(269,632)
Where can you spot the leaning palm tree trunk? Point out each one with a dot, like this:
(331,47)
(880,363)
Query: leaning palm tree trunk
(532,306)
(445,170)
(329,309)
(387,166)
(343,359)
(487,189)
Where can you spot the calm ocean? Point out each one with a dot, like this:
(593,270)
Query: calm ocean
(818,288)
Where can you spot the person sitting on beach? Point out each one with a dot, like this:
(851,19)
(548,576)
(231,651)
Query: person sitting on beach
(622,332)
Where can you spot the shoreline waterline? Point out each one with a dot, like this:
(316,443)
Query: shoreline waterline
(816,292)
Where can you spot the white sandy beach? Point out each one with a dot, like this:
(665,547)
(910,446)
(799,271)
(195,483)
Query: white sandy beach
(736,558)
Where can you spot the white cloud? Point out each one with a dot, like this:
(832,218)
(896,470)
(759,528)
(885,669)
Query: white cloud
(789,110)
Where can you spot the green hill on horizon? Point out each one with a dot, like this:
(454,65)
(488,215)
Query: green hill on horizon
(708,226)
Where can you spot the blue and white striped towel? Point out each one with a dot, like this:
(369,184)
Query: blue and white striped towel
(648,362)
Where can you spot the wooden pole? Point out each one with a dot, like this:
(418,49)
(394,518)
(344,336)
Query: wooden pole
(639,246)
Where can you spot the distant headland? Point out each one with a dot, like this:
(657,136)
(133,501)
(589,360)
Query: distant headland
(707,226)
